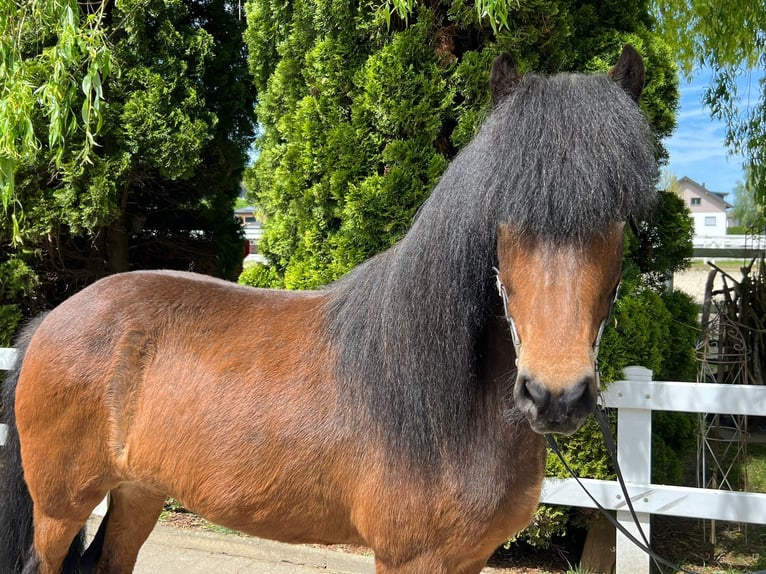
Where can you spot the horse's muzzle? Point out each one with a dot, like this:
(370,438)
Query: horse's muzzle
(561,413)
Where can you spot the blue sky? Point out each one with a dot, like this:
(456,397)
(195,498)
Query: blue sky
(697,148)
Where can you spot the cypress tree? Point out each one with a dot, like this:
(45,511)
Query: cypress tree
(362,110)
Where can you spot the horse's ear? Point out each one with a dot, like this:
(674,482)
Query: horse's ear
(629,72)
(503,78)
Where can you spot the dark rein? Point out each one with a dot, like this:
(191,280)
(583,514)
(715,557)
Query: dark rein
(611,448)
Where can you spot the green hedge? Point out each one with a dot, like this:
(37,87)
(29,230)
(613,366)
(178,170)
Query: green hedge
(16,281)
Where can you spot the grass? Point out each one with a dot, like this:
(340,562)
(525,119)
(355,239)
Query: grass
(731,266)
(738,548)
(578,570)
(174,513)
(756,468)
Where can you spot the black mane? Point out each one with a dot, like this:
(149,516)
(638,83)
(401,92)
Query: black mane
(559,158)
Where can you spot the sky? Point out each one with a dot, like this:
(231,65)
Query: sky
(697,148)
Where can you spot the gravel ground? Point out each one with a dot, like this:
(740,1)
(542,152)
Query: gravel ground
(692,281)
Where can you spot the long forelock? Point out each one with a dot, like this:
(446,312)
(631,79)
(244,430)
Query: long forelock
(573,154)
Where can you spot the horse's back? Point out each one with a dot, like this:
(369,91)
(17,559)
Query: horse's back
(126,326)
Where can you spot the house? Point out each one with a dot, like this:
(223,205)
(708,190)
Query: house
(708,208)
(253,233)
(245,215)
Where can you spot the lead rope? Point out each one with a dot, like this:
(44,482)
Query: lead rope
(609,441)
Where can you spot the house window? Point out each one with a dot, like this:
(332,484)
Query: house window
(710,221)
(696,201)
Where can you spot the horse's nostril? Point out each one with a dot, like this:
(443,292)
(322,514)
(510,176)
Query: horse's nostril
(578,397)
(538,395)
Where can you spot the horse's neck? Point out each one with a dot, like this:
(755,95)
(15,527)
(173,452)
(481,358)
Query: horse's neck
(496,347)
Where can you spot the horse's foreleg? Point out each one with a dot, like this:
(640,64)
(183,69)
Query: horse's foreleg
(133,512)
(53,538)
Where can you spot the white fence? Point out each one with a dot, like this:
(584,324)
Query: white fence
(755,242)
(635,398)
(7,357)
(729,246)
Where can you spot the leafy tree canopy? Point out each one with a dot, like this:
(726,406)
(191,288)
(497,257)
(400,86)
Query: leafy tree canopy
(746,211)
(362,108)
(127,127)
(728,36)
(54,59)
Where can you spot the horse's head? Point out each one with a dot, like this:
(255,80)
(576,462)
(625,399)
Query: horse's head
(558,298)
(559,268)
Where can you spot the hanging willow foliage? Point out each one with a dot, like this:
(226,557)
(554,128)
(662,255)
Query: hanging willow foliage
(55,57)
(728,37)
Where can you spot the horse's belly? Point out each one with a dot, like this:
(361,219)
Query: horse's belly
(308,527)
(261,483)
(283,510)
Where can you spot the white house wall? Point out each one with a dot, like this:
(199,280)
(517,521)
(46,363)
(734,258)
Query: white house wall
(709,223)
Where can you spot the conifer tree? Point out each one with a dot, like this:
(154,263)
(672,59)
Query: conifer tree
(361,109)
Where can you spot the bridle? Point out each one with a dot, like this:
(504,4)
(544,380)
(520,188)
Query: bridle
(509,319)
(503,292)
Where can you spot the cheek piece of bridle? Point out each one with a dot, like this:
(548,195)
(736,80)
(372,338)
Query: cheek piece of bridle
(609,441)
(503,292)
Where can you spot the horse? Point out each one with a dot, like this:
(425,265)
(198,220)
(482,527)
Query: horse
(403,407)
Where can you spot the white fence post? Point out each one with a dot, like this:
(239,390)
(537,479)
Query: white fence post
(634,455)
(7,359)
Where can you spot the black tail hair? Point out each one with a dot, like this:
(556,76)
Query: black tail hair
(16,529)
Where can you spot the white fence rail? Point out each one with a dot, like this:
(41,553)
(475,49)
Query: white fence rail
(729,246)
(7,357)
(755,242)
(635,398)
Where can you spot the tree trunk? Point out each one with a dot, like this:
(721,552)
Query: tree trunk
(117,244)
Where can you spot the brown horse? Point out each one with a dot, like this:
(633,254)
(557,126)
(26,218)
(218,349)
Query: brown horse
(394,409)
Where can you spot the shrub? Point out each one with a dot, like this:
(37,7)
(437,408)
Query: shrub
(16,282)
(259,276)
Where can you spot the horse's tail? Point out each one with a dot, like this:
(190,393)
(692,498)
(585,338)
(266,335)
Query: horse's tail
(16,529)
